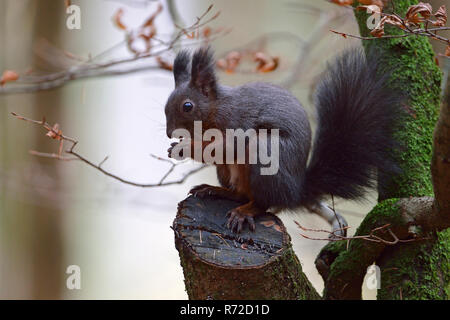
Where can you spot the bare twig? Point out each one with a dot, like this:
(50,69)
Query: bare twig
(372,237)
(335,214)
(415,32)
(92,69)
(411,25)
(57,134)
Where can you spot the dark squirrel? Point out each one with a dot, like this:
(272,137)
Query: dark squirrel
(357,114)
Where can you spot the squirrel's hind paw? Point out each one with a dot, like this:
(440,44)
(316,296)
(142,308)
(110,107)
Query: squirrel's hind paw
(236,221)
(243,214)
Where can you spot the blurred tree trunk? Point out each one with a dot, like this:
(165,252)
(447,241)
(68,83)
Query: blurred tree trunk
(31,246)
(49,279)
(16,281)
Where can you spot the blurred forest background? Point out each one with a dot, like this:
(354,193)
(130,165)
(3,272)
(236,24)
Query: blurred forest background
(54,214)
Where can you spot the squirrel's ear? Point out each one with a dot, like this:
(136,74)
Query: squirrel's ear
(181,67)
(203,75)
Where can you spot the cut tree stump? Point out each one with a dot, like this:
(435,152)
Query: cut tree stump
(219,264)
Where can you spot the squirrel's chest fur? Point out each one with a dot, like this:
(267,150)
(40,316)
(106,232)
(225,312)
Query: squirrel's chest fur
(235,177)
(265,106)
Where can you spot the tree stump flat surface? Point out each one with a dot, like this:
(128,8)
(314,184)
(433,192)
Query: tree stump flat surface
(201,226)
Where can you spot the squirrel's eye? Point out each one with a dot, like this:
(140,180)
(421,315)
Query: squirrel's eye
(187,106)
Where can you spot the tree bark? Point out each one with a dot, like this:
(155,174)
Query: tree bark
(32,241)
(420,269)
(219,264)
(440,164)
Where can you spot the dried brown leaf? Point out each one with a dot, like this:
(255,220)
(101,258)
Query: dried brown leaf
(206,32)
(164,64)
(265,62)
(152,18)
(378,31)
(415,11)
(395,21)
(378,3)
(230,62)
(441,17)
(8,76)
(343,2)
(146,34)
(117,19)
(55,132)
(189,35)
(221,64)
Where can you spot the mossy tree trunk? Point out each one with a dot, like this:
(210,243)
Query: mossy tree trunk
(419,269)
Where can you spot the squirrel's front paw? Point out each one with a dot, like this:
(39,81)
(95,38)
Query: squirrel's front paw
(202,190)
(171,154)
(237,219)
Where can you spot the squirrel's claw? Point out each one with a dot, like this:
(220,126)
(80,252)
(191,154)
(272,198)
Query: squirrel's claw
(169,151)
(236,221)
(205,190)
(201,190)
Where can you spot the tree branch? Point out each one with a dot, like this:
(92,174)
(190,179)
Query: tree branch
(55,133)
(92,69)
(440,163)
(335,235)
(415,23)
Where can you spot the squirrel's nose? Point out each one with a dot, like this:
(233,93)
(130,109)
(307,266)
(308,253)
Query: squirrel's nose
(169,132)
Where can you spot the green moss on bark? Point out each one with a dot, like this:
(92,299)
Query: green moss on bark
(350,266)
(417,270)
(282,279)
(414,72)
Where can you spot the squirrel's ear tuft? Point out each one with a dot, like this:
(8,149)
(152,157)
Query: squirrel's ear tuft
(203,75)
(181,67)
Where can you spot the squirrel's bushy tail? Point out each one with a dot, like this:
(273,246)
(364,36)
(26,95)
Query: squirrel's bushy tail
(357,114)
